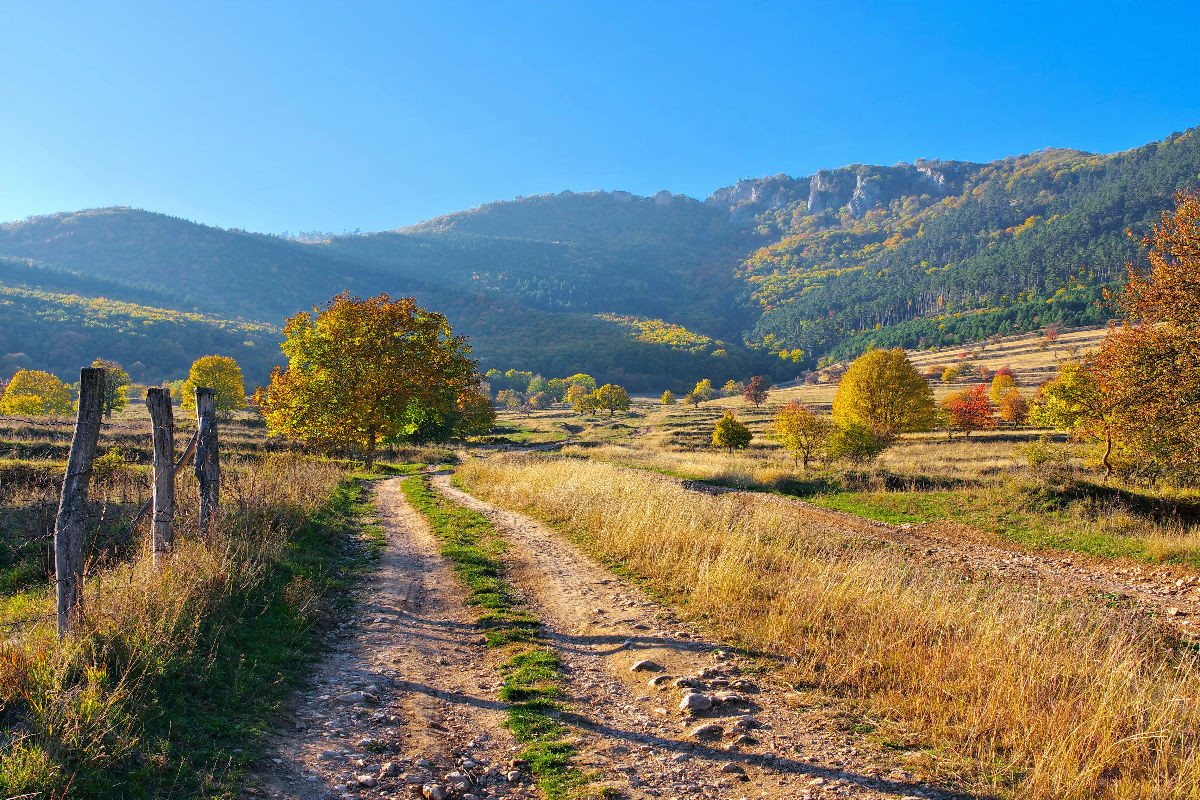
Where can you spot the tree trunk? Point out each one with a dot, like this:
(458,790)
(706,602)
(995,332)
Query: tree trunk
(72,504)
(158,400)
(1108,470)
(208,460)
(369,456)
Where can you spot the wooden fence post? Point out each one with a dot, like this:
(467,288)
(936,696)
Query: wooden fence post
(72,504)
(208,459)
(158,400)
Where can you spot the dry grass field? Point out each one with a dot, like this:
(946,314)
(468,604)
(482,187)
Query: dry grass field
(1031,691)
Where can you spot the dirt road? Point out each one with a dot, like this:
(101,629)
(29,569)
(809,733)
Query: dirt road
(406,696)
(405,703)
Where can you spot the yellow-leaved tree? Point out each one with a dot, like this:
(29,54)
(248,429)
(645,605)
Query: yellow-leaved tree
(884,391)
(365,372)
(221,374)
(35,393)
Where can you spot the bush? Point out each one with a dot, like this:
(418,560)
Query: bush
(856,443)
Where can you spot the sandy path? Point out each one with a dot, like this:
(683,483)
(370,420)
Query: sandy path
(634,734)
(407,693)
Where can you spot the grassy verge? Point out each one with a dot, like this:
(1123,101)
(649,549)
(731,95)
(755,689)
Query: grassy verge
(532,676)
(174,673)
(1076,516)
(997,689)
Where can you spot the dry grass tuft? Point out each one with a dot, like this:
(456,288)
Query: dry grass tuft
(1045,700)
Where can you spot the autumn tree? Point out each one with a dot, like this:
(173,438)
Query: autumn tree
(362,372)
(704,390)
(612,398)
(668,398)
(730,433)
(582,379)
(557,389)
(884,391)
(732,388)
(970,410)
(35,393)
(116,385)
(949,374)
(757,390)
(692,399)
(577,396)
(1001,385)
(802,432)
(1013,407)
(221,374)
(1076,401)
(508,398)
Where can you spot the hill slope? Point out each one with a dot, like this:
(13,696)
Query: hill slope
(653,291)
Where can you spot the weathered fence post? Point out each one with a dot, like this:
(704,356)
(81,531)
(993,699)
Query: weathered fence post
(208,458)
(158,400)
(72,505)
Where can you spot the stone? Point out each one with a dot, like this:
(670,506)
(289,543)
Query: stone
(354,698)
(423,763)
(728,697)
(433,791)
(459,781)
(330,755)
(414,778)
(744,686)
(733,769)
(695,702)
(747,722)
(389,769)
(646,665)
(708,732)
(687,683)
(365,780)
(660,680)
(513,777)
(744,739)
(679,758)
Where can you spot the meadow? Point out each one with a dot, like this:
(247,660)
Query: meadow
(1009,688)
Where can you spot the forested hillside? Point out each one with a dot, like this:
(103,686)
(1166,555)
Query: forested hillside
(649,291)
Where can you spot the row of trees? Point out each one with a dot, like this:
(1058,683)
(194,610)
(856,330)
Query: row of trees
(38,393)
(755,391)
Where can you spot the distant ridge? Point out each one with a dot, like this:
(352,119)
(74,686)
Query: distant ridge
(777,272)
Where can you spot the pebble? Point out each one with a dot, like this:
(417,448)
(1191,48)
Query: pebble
(389,769)
(330,755)
(733,769)
(694,702)
(708,731)
(365,780)
(687,683)
(459,781)
(433,791)
(351,698)
(659,680)
(646,665)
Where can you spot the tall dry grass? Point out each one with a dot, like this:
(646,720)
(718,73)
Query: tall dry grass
(1037,697)
(73,707)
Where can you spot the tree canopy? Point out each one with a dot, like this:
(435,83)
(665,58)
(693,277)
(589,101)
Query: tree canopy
(36,393)
(219,373)
(362,372)
(730,433)
(883,390)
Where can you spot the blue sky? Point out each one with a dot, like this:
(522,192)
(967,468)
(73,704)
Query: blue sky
(335,116)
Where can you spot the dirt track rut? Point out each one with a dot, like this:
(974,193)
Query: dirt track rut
(633,734)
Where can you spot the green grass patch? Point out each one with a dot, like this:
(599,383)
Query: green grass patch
(532,676)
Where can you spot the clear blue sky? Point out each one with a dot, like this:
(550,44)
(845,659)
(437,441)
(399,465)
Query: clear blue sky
(331,116)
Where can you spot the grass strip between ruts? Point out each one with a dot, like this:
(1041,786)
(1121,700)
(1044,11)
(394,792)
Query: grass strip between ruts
(532,676)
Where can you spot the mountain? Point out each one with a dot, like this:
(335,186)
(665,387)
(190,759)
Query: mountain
(654,292)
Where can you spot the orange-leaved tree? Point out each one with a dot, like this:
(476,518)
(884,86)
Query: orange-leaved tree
(365,372)
(970,410)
